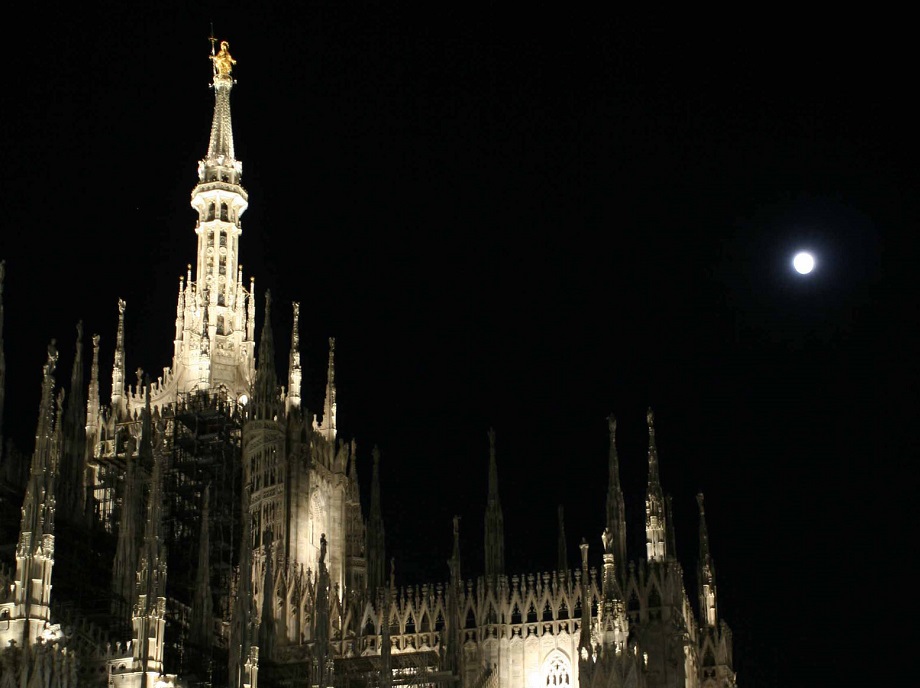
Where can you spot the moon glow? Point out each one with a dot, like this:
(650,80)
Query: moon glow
(803,263)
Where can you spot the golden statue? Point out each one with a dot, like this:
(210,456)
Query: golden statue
(223,62)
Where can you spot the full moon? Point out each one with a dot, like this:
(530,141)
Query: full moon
(803,263)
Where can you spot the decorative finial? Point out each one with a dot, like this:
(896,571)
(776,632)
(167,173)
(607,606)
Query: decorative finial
(699,501)
(650,417)
(607,539)
(223,62)
(612,425)
(492,441)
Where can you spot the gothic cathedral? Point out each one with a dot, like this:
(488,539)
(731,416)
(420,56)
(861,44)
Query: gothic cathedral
(229,546)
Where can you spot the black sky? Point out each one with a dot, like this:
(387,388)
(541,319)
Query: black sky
(523,220)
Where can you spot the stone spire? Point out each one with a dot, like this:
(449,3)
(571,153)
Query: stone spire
(295,373)
(202,604)
(221,159)
(329,407)
(709,610)
(265,396)
(74,435)
(655,517)
(35,550)
(2,357)
(585,648)
(562,548)
(119,403)
(671,530)
(376,547)
(494,522)
(150,606)
(91,431)
(616,505)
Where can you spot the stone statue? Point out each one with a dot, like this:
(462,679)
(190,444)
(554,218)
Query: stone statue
(223,62)
(607,539)
(322,549)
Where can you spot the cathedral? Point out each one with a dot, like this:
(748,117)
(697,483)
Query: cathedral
(228,545)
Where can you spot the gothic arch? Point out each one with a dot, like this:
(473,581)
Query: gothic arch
(557,670)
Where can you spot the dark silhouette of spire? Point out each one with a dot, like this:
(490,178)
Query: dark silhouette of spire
(616,505)
(265,403)
(562,548)
(376,546)
(494,522)
(452,658)
(321,649)
(74,436)
(202,604)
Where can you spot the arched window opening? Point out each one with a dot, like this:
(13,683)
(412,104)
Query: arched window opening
(516,615)
(557,671)
(531,614)
(470,619)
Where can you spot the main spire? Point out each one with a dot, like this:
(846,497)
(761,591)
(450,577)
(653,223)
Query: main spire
(221,164)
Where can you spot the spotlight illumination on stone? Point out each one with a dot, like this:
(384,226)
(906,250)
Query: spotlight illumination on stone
(803,263)
(244,399)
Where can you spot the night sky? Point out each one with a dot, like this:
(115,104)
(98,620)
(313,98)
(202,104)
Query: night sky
(524,220)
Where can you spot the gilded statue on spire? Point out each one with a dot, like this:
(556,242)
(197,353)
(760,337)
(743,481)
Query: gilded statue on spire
(223,61)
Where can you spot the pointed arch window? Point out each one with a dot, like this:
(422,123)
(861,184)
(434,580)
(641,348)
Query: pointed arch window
(557,670)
